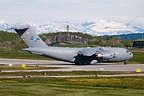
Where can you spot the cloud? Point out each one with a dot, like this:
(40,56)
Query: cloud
(58,1)
(4,1)
(78,10)
(130,3)
(81,2)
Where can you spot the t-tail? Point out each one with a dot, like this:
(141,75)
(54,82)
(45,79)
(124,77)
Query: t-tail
(29,36)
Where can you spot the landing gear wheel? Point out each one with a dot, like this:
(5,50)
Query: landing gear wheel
(77,63)
(125,63)
(83,63)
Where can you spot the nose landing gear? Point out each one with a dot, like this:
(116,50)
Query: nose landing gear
(125,62)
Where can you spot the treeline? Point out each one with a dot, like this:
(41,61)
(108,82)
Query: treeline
(110,42)
(45,36)
(12,42)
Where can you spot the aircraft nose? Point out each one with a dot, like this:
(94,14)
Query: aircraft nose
(130,55)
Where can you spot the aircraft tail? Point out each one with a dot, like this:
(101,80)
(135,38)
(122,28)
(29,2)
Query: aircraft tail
(29,36)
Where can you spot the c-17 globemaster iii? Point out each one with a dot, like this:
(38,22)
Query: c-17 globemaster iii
(74,55)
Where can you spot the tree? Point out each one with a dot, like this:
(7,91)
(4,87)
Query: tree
(127,43)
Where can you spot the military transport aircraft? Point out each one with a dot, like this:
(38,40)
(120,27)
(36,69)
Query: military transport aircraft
(74,55)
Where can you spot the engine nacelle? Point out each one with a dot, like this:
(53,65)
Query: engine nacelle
(105,56)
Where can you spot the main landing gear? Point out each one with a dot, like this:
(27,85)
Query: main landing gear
(82,63)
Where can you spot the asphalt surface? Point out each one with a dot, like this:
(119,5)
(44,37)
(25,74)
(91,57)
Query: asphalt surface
(72,67)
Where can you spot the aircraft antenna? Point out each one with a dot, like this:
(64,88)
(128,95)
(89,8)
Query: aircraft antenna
(67,27)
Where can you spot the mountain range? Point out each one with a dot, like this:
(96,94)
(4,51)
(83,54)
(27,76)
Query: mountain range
(99,27)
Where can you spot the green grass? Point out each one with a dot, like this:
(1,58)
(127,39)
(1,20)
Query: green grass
(60,73)
(129,86)
(42,89)
(22,55)
(27,67)
(82,86)
(138,57)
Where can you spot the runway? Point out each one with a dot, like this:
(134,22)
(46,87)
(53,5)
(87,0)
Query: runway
(72,67)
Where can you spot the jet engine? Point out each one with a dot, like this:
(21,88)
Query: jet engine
(105,56)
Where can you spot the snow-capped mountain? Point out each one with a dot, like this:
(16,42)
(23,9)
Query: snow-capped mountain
(97,27)
(62,27)
(107,27)
(138,28)
(56,27)
(3,25)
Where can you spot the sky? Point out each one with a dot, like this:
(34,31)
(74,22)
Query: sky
(44,11)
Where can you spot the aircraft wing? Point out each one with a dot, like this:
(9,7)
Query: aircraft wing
(92,51)
(88,51)
(98,52)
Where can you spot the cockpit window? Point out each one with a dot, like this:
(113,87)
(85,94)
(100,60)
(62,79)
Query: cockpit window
(127,51)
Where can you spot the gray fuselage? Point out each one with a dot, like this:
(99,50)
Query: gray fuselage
(108,54)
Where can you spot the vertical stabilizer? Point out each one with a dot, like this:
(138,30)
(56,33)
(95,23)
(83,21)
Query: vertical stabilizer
(29,36)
